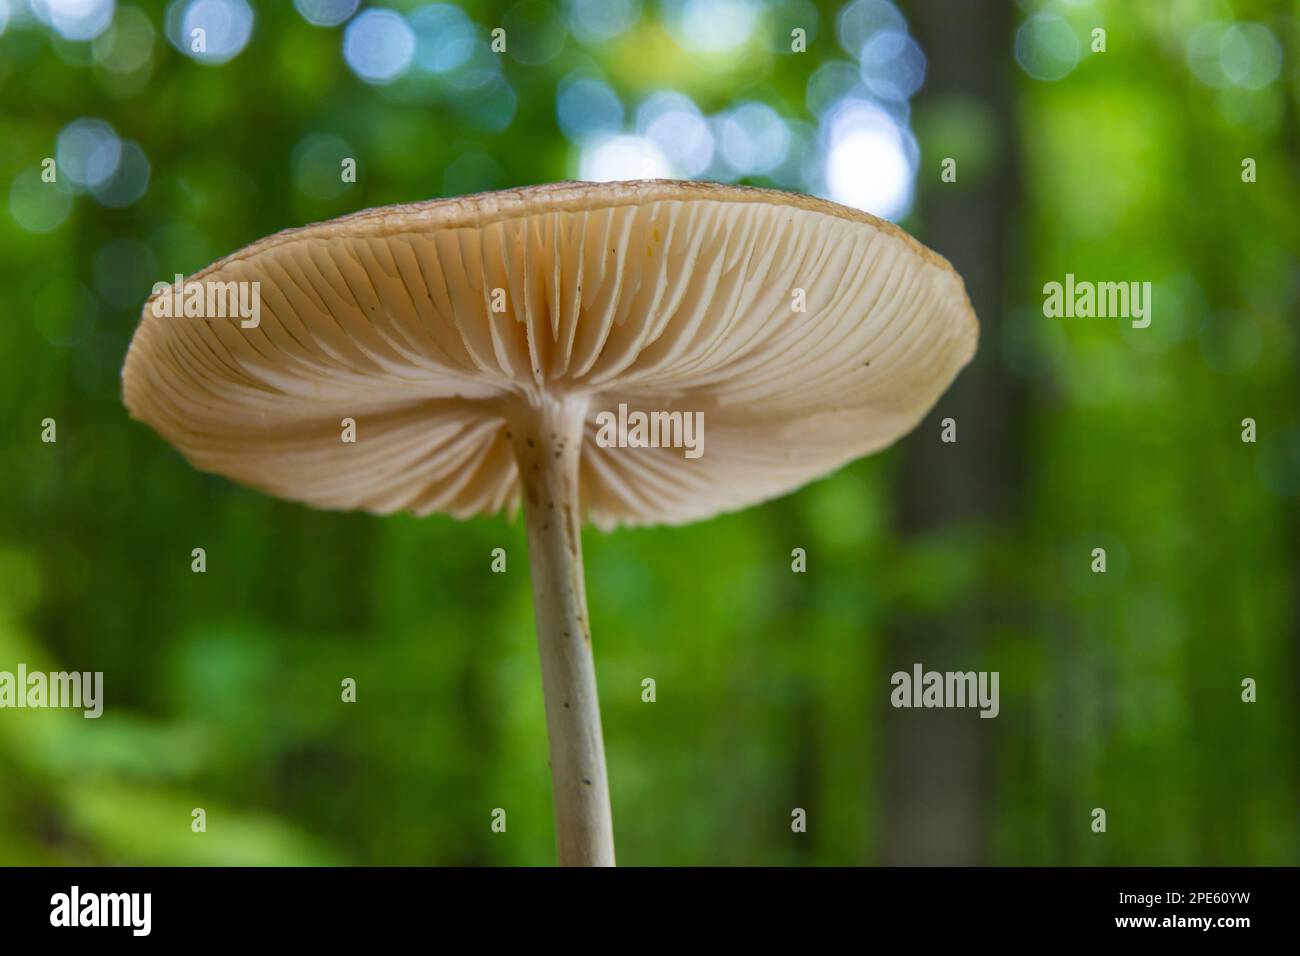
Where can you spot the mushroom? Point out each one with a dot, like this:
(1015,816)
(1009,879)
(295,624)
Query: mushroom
(476,342)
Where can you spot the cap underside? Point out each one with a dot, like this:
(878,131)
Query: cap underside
(805,335)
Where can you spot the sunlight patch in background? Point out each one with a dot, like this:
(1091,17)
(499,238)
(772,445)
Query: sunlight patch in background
(859,149)
(868,154)
(854,145)
(609,158)
(867,163)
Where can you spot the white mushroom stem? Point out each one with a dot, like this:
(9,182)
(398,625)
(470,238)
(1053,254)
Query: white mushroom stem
(547,437)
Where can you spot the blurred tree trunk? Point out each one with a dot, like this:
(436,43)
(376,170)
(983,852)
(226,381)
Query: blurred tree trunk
(936,761)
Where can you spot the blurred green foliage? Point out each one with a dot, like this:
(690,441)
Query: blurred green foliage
(223,689)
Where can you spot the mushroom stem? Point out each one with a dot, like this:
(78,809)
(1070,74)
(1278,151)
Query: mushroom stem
(547,439)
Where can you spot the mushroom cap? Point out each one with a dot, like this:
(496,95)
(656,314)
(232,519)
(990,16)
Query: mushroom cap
(663,296)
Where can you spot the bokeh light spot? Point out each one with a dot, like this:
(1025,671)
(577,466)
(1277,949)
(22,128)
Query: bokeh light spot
(128,45)
(861,20)
(379,46)
(210,31)
(326,13)
(444,37)
(867,164)
(753,138)
(611,158)
(88,152)
(674,124)
(36,205)
(893,66)
(597,21)
(587,106)
(317,165)
(713,26)
(129,181)
(1047,48)
(76,20)
(1250,55)
(829,84)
